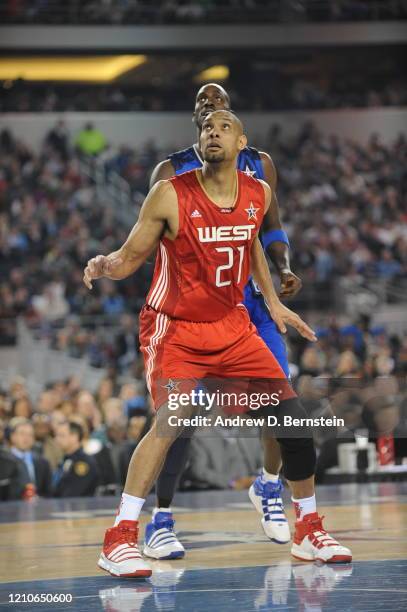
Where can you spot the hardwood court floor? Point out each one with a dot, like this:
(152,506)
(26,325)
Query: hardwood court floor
(60,540)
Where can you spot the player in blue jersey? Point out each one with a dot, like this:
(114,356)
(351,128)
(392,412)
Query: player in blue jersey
(160,539)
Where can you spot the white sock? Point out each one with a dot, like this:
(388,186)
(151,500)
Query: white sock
(129,509)
(160,510)
(267,477)
(304,506)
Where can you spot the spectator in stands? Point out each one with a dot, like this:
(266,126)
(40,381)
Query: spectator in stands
(117,444)
(22,407)
(112,301)
(90,141)
(112,410)
(47,401)
(18,388)
(57,419)
(5,405)
(45,444)
(57,139)
(86,407)
(77,474)
(388,266)
(2,428)
(13,476)
(100,452)
(51,304)
(22,440)
(127,342)
(105,391)
(136,429)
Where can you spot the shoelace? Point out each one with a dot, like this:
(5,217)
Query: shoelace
(316,524)
(271,493)
(129,535)
(165,524)
(316,528)
(272,490)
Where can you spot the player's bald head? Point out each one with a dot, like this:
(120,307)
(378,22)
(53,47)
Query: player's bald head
(222,137)
(210,97)
(226,114)
(213,89)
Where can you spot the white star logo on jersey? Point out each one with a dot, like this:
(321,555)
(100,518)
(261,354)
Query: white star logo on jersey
(251,212)
(171,385)
(249,172)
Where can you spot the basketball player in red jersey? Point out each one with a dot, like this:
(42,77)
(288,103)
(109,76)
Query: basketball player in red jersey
(266,492)
(193,326)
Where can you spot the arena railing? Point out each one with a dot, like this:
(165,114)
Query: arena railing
(111,188)
(39,364)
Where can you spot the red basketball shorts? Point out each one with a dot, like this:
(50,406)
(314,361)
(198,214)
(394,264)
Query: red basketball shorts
(178,350)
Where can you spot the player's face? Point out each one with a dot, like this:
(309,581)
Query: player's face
(209,99)
(221,137)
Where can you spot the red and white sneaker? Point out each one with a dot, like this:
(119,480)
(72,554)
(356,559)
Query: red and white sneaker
(121,556)
(313,543)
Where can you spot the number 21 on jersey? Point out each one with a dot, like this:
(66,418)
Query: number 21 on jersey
(231,260)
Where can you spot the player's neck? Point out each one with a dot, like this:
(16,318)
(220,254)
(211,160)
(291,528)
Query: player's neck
(220,182)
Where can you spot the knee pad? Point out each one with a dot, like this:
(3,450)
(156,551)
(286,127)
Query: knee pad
(296,443)
(299,457)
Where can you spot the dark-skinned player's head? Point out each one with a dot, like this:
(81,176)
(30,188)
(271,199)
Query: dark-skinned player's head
(222,137)
(209,98)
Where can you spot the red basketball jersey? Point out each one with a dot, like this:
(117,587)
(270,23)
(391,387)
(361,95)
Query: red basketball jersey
(201,275)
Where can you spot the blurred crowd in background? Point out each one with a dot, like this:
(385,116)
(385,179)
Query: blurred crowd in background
(197,11)
(343,206)
(70,442)
(283,93)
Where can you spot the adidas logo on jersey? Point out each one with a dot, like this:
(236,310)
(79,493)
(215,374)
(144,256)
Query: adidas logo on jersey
(196,214)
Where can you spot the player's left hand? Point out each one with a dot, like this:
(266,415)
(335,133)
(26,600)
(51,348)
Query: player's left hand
(290,284)
(283,316)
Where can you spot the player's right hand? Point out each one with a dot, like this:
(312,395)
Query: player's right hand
(99,266)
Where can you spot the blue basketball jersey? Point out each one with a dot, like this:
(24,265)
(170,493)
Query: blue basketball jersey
(249,162)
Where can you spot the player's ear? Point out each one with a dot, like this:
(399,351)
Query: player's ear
(242,142)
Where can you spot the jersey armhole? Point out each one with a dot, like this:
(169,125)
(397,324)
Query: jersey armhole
(180,203)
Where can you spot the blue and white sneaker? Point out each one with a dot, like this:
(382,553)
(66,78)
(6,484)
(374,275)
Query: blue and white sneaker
(160,541)
(266,498)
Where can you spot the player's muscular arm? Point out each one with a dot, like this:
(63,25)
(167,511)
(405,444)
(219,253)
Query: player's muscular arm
(277,250)
(162,172)
(158,217)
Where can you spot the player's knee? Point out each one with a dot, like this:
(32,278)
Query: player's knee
(299,457)
(296,442)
